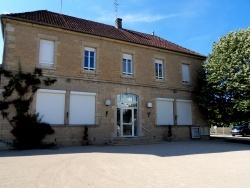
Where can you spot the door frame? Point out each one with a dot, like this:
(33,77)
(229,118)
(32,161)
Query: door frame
(130,123)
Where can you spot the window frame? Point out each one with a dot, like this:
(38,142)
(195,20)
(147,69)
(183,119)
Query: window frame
(42,63)
(41,108)
(157,69)
(185,69)
(125,59)
(169,118)
(80,115)
(88,67)
(179,112)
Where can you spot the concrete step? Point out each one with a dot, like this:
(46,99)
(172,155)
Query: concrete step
(134,141)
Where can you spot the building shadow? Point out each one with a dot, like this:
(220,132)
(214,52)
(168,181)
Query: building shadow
(164,149)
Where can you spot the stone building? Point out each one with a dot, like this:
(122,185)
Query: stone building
(126,86)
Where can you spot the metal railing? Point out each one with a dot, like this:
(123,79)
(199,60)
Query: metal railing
(145,129)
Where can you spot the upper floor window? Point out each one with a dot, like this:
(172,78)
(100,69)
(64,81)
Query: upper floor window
(185,73)
(47,53)
(89,59)
(127,64)
(159,69)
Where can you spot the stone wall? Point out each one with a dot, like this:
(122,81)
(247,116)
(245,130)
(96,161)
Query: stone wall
(221,130)
(22,45)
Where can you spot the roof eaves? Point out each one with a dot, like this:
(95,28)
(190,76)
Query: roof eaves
(91,33)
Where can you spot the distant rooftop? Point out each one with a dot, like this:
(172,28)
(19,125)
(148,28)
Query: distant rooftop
(48,18)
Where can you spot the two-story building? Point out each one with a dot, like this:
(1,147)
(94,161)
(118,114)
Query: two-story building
(122,84)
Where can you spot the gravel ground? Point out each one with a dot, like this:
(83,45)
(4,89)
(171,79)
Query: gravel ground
(212,163)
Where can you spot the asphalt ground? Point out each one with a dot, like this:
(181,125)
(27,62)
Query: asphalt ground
(212,163)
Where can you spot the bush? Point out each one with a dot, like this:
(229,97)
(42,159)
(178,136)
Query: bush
(30,131)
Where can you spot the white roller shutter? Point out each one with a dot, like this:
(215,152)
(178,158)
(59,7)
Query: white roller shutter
(50,105)
(185,73)
(46,52)
(82,108)
(164,111)
(184,112)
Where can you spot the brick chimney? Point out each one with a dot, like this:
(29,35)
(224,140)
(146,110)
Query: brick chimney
(118,23)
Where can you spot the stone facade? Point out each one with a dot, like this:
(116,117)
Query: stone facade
(21,41)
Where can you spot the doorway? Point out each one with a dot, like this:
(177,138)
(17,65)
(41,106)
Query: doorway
(127,111)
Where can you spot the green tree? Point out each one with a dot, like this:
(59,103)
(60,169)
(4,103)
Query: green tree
(223,90)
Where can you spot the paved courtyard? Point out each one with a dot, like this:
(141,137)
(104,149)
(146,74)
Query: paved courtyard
(212,163)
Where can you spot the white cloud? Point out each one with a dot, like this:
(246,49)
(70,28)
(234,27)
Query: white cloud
(146,18)
(183,13)
(132,18)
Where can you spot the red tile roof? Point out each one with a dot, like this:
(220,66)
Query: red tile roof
(53,19)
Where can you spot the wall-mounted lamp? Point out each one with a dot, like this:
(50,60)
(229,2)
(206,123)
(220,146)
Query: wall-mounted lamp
(149,104)
(149,114)
(107,102)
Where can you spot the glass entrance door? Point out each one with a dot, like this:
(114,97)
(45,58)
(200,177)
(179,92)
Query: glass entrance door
(127,115)
(127,122)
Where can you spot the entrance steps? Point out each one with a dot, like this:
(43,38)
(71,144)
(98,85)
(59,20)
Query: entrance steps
(135,140)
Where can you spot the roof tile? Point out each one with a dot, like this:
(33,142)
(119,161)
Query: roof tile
(85,26)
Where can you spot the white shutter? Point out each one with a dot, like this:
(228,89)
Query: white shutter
(50,105)
(185,73)
(184,112)
(164,111)
(82,108)
(46,52)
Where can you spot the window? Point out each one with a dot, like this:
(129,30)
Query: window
(184,112)
(46,53)
(185,73)
(159,69)
(82,108)
(164,111)
(89,59)
(127,64)
(50,105)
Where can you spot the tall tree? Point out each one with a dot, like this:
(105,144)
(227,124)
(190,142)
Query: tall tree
(223,90)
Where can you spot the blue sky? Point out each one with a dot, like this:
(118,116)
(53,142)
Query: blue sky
(193,24)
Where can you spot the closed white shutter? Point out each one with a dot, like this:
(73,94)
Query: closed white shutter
(185,73)
(50,105)
(184,112)
(46,52)
(82,108)
(164,111)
